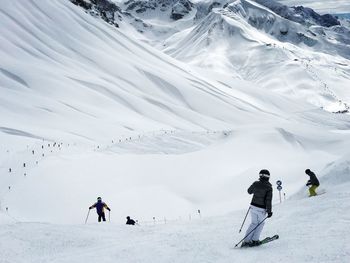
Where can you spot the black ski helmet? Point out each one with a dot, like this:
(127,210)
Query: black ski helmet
(264,173)
(99,198)
(307,171)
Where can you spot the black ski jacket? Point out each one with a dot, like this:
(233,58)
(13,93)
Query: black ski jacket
(130,222)
(262,197)
(313,179)
(100,206)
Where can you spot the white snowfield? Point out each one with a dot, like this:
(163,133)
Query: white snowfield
(88,110)
(310,229)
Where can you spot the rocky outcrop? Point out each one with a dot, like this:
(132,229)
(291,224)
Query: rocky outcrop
(106,9)
(180,9)
(82,3)
(307,14)
(176,8)
(300,14)
(140,6)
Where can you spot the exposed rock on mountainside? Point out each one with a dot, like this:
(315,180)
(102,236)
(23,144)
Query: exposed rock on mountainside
(326,20)
(300,14)
(180,9)
(177,8)
(106,9)
(266,20)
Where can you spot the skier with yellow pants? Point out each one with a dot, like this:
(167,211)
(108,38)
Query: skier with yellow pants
(313,182)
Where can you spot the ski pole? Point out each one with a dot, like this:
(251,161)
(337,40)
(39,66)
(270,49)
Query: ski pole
(251,231)
(87,217)
(244,220)
(109,216)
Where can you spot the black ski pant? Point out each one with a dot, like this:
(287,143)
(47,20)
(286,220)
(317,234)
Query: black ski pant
(102,215)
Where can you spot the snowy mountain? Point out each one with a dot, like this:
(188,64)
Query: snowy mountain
(325,6)
(164,108)
(69,71)
(300,14)
(268,50)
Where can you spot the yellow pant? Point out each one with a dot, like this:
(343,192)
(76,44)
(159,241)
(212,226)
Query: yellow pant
(312,190)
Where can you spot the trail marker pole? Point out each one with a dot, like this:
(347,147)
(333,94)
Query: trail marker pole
(279,188)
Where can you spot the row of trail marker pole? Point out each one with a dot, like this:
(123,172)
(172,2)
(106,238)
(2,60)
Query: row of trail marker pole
(164,220)
(160,132)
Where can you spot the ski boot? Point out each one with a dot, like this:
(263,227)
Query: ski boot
(254,243)
(246,244)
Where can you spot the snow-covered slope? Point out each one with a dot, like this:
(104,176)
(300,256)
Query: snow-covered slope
(309,229)
(261,46)
(68,65)
(87,110)
(58,68)
(261,41)
(68,77)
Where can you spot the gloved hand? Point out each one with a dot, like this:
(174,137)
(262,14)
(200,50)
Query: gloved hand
(109,209)
(90,208)
(269,214)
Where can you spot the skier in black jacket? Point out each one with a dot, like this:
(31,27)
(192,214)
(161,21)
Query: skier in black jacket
(259,206)
(130,221)
(313,182)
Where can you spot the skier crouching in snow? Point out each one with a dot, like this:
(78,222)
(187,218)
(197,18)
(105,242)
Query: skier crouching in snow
(130,221)
(100,206)
(313,182)
(259,206)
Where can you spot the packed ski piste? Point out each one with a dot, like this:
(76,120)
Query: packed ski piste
(174,131)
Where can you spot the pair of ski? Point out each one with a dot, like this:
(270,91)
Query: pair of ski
(264,241)
(321,192)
